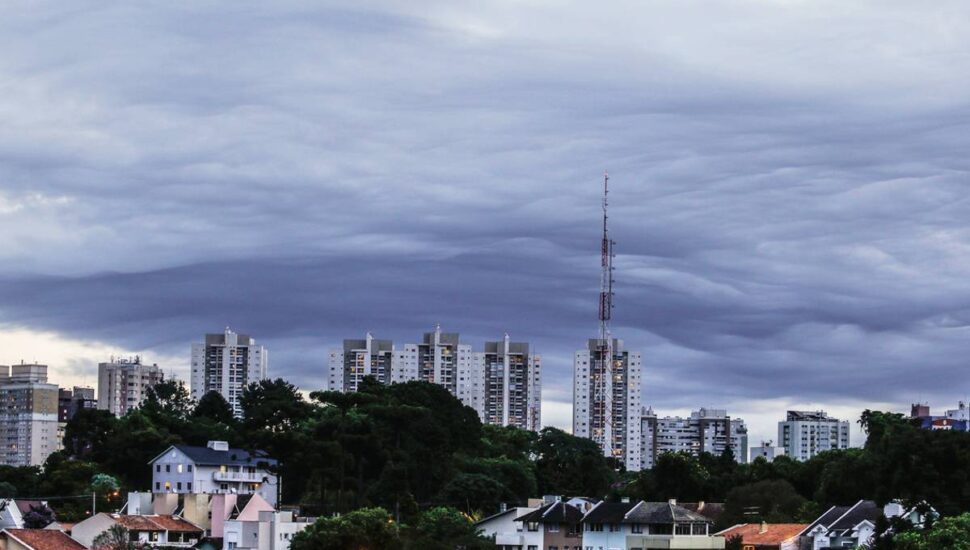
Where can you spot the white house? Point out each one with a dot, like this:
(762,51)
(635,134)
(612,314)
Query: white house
(508,533)
(850,526)
(264,530)
(214,469)
(12,512)
(640,525)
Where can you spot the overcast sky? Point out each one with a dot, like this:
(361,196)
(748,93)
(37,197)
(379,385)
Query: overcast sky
(789,188)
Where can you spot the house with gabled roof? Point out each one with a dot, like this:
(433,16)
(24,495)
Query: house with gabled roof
(843,526)
(642,525)
(766,536)
(556,524)
(507,533)
(37,539)
(153,530)
(214,469)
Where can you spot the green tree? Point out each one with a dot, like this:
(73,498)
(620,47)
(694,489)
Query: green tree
(680,476)
(38,517)
(569,465)
(364,529)
(86,434)
(213,406)
(952,533)
(445,528)
(773,501)
(115,537)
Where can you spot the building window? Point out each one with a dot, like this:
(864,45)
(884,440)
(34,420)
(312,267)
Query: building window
(683,529)
(533,526)
(178,468)
(168,468)
(636,528)
(189,485)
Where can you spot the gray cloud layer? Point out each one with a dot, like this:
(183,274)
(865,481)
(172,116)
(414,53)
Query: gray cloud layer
(789,184)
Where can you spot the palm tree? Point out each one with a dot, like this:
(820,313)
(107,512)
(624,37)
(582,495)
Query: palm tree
(115,537)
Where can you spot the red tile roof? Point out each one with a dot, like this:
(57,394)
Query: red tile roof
(157,523)
(175,523)
(44,539)
(775,534)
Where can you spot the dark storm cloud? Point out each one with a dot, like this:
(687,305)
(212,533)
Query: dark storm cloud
(789,192)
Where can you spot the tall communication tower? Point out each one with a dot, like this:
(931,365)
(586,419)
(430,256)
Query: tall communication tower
(603,374)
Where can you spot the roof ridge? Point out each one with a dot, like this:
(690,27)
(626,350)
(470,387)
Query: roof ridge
(853,507)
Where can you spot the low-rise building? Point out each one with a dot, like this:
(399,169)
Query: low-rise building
(37,539)
(155,531)
(766,536)
(555,524)
(957,419)
(508,533)
(213,469)
(642,525)
(12,511)
(268,530)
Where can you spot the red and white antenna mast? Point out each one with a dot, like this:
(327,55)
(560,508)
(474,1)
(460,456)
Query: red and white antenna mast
(604,378)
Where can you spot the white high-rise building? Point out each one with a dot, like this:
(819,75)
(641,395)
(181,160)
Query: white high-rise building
(502,384)
(607,407)
(511,393)
(704,431)
(805,434)
(360,358)
(123,384)
(227,363)
(28,418)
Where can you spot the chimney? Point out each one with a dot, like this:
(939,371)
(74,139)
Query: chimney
(502,507)
(672,502)
(625,500)
(764,528)
(218,445)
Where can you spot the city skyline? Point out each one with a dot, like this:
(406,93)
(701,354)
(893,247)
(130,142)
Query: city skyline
(787,188)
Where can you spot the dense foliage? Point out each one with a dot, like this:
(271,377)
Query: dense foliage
(413,453)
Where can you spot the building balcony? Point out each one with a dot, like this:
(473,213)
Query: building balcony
(244,477)
(698,542)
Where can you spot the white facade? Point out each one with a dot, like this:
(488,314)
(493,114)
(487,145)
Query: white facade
(511,385)
(607,409)
(509,533)
(807,433)
(227,363)
(502,384)
(124,384)
(215,469)
(706,430)
(268,531)
(767,451)
(29,417)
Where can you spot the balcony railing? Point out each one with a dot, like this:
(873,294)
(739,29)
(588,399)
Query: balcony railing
(246,477)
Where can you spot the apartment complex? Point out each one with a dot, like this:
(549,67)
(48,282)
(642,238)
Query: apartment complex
(606,400)
(511,387)
(28,415)
(805,434)
(123,384)
(502,383)
(226,363)
(705,430)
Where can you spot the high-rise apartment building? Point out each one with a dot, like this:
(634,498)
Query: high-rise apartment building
(69,402)
(607,398)
(511,384)
(358,359)
(28,415)
(805,434)
(226,363)
(501,383)
(704,431)
(123,384)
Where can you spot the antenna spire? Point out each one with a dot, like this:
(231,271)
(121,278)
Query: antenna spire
(606,262)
